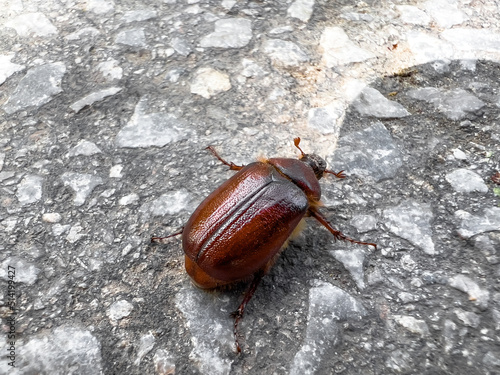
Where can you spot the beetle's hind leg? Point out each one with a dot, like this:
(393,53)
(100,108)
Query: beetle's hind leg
(238,314)
(231,165)
(336,233)
(159,239)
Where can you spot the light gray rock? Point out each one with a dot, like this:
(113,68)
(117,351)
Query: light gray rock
(167,204)
(67,349)
(146,344)
(454,104)
(285,53)
(211,329)
(32,23)
(100,6)
(399,360)
(466,181)
(164,362)
(151,129)
(372,103)
(133,38)
(328,305)
(480,297)
(445,12)
(208,82)
(229,33)
(364,223)
(412,221)
(25,272)
(51,217)
(370,153)
(327,120)
(94,97)
(468,318)
(475,224)
(413,15)
(82,33)
(466,39)
(412,324)
(85,148)
(29,189)
(82,184)
(37,87)
(181,46)
(427,47)
(110,70)
(492,360)
(338,49)
(301,9)
(139,15)
(352,260)
(119,310)
(7,68)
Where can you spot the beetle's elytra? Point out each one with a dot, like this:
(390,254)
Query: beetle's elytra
(238,231)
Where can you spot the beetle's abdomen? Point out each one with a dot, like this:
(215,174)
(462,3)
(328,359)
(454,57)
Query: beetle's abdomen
(243,224)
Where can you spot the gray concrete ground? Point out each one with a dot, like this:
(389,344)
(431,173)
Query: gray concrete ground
(105,110)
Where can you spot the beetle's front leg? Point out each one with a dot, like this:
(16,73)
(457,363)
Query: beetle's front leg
(231,165)
(238,314)
(336,233)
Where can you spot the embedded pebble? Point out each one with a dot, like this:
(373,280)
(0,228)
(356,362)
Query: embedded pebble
(29,189)
(100,6)
(37,87)
(119,310)
(128,199)
(285,52)
(51,217)
(301,9)
(471,224)
(327,120)
(164,362)
(368,153)
(353,261)
(151,129)
(8,68)
(209,82)
(413,15)
(372,103)
(146,344)
(94,97)
(480,297)
(412,324)
(25,272)
(338,49)
(468,318)
(32,23)
(473,40)
(229,33)
(139,15)
(412,221)
(364,223)
(82,184)
(427,48)
(466,181)
(444,12)
(110,70)
(167,204)
(85,148)
(132,38)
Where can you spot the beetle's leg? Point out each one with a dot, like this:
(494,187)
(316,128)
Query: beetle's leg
(336,233)
(158,239)
(296,142)
(340,174)
(231,165)
(238,314)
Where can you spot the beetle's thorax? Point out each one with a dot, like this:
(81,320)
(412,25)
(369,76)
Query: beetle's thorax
(317,163)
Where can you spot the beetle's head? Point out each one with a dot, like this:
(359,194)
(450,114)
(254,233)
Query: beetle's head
(317,163)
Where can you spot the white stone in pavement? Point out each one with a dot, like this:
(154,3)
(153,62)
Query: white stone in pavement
(132,38)
(352,260)
(285,52)
(338,49)
(85,148)
(466,181)
(229,33)
(139,15)
(110,70)
(94,97)
(413,15)
(181,46)
(327,120)
(208,82)
(26,272)
(445,12)
(81,33)
(99,6)
(372,103)
(454,104)
(29,189)
(426,47)
(478,295)
(32,23)
(151,129)
(37,87)
(82,184)
(473,39)
(8,68)
(417,326)
(301,9)
(471,224)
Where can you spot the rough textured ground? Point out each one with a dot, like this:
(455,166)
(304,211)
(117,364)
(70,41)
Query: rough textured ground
(105,110)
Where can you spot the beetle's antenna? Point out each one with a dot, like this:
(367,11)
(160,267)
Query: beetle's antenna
(296,142)
(158,239)
(340,174)
(231,165)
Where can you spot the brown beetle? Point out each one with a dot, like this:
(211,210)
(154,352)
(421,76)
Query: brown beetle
(238,231)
